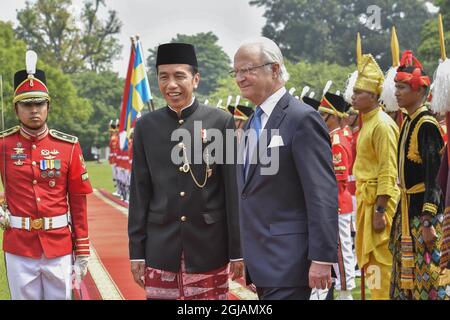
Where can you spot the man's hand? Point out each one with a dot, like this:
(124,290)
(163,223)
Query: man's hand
(236,269)
(80,267)
(379,222)
(429,237)
(5,218)
(138,271)
(319,276)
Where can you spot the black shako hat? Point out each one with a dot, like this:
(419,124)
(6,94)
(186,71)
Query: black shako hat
(176,53)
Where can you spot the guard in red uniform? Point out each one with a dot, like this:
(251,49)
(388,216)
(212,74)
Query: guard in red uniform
(332,108)
(114,146)
(46,182)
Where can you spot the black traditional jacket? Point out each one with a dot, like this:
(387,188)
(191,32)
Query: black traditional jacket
(419,160)
(173,211)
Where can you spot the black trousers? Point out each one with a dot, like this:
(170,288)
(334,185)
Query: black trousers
(294,293)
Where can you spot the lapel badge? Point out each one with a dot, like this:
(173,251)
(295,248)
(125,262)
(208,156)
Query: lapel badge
(204,136)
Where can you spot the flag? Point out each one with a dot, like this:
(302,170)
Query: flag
(136,94)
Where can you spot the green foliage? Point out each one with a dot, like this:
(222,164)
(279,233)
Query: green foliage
(72,43)
(213,62)
(316,75)
(68,112)
(429,51)
(227,87)
(325,30)
(104,90)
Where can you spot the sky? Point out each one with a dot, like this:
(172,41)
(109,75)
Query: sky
(158,21)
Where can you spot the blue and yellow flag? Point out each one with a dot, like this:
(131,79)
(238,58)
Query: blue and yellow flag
(136,94)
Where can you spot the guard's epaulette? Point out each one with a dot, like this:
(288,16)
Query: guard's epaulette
(9,131)
(336,139)
(63,136)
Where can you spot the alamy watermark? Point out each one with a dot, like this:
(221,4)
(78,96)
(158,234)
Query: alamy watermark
(232,147)
(372,18)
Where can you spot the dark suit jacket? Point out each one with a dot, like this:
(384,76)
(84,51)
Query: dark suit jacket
(290,218)
(203,223)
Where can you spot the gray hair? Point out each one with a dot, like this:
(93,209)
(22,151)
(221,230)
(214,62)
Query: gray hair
(270,51)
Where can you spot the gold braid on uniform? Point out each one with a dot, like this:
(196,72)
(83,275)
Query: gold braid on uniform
(63,136)
(9,131)
(413,148)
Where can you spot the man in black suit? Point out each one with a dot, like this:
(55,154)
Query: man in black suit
(183,221)
(287,187)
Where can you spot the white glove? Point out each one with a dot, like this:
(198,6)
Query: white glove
(5,218)
(80,267)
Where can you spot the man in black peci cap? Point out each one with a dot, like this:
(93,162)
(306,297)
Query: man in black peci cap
(183,221)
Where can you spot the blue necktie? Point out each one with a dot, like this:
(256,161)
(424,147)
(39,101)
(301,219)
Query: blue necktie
(251,143)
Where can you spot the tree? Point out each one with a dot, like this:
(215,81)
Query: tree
(429,50)
(68,112)
(71,43)
(226,87)
(213,62)
(325,30)
(316,75)
(104,90)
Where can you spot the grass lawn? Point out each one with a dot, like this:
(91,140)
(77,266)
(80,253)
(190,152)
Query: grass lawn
(4,291)
(100,175)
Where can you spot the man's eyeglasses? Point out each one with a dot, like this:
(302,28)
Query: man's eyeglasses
(246,71)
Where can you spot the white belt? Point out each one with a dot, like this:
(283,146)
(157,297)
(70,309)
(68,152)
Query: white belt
(351,178)
(50,223)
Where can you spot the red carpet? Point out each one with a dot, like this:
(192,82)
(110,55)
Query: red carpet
(108,234)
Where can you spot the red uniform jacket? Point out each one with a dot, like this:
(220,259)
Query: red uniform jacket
(44,177)
(342,159)
(113,147)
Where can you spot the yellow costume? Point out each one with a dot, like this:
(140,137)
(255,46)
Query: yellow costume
(375,170)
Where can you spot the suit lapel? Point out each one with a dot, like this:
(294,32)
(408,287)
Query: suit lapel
(273,122)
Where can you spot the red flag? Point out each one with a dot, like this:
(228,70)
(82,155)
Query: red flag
(126,90)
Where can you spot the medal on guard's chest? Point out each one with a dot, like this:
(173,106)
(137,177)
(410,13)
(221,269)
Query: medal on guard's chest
(18,155)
